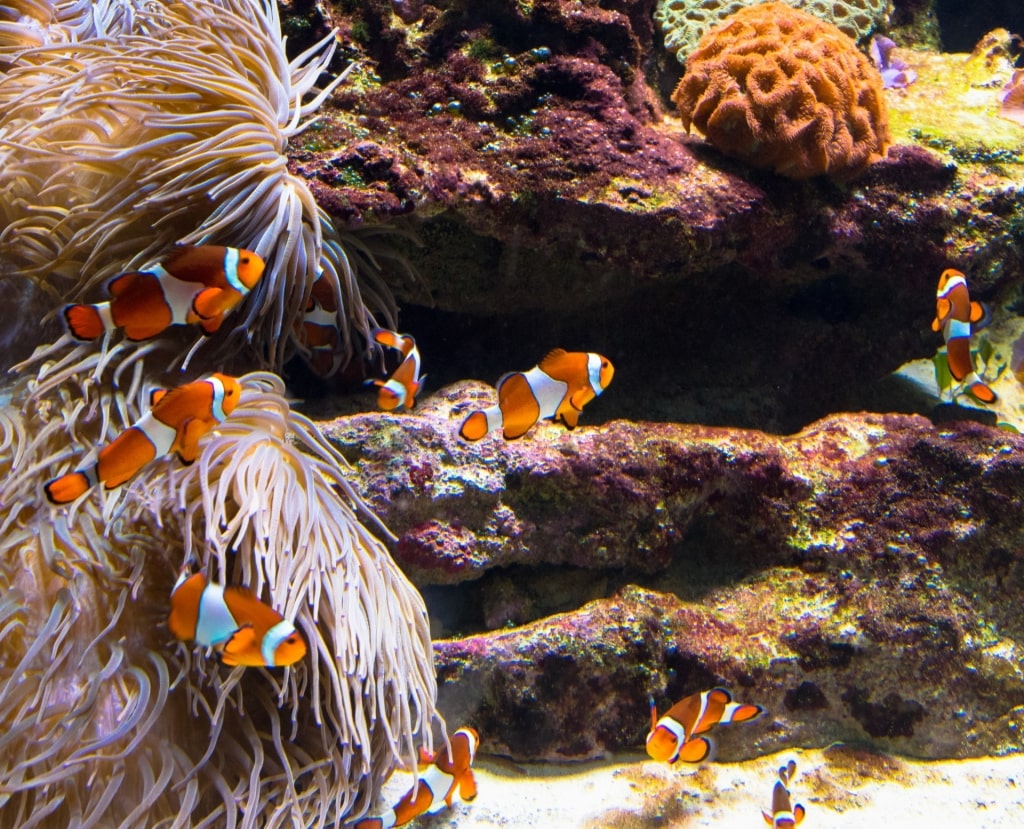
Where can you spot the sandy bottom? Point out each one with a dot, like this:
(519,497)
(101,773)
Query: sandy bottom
(839,787)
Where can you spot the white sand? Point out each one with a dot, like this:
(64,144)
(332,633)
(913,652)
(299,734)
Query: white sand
(839,787)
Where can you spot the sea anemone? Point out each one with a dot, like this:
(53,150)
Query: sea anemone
(170,126)
(96,699)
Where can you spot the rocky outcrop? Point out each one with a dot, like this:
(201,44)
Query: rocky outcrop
(858,579)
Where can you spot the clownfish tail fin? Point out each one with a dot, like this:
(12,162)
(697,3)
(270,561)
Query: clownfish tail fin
(85,322)
(982,391)
(474,427)
(67,488)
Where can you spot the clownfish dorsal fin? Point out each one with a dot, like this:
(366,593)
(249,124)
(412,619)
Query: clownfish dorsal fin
(553,356)
(156,396)
(122,282)
(175,255)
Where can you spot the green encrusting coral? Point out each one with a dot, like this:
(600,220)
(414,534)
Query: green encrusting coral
(126,128)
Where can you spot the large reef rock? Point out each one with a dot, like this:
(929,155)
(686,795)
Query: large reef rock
(531,149)
(860,579)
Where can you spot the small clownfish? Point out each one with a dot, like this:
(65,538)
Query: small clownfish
(436,786)
(245,630)
(557,388)
(318,330)
(783,815)
(674,736)
(401,387)
(175,422)
(194,285)
(957,317)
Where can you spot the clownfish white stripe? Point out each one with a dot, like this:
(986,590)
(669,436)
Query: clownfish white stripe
(273,638)
(178,294)
(951,283)
(548,392)
(106,317)
(218,399)
(676,729)
(703,708)
(215,624)
(957,328)
(159,434)
(231,271)
(594,372)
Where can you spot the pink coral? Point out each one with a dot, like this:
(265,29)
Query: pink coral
(783,90)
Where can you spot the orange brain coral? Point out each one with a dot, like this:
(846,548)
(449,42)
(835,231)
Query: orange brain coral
(786,91)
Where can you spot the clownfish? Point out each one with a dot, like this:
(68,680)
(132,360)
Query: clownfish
(194,285)
(245,630)
(436,786)
(318,330)
(557,388)
(401,387)
(174,423)
(674,736)
(783,815)
(957,317)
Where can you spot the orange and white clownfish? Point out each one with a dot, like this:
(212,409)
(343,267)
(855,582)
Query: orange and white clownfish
(783,815)
(674,736)
(174,423)
(957,317)
(319,329)
(401,387)
(436,786)
(557,388)
(194,285)
(232,619)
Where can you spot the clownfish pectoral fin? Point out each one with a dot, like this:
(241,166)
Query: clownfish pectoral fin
(696,750)
(211,325)
(767,818)
(654,713)
(212,302)
(798,813)
(981,316)
(188,439)
(570,417)
(156,396)
(241,641)
(467,786)
(122,282)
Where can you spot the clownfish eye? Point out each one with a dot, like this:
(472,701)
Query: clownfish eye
(245,260)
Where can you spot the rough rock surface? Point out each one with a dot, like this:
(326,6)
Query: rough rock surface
(528,147)
(860,579)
